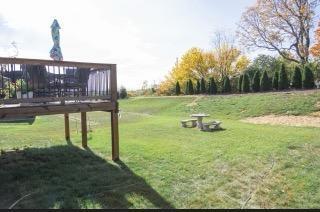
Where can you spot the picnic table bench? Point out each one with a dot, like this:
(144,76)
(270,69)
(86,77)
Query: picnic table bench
(210,126)
(193,122)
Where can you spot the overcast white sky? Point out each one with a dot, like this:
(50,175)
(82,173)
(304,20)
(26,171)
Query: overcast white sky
(144,37)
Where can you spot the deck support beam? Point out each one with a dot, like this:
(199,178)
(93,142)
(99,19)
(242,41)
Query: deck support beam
(67,126)
(84,130)
(115,135)
(114,114)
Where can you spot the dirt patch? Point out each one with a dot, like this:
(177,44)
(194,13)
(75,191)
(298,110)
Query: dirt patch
(194,103)
(297,121)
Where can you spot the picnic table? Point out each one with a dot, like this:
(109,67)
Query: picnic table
(199,118)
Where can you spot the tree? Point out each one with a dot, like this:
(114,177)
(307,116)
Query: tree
(315,49)
(265,82)
(203,86)
(226,56)
(308,78)
(226,85)
(245,84)
(275,80)
(187,88)
(261,63)
(194,64)
(297,78)
(240,83)
(178,89)
(279,25)
(242,64)
(212,87)
(123,93)
(256,82)
(283,78)
(191,89)
(198,88)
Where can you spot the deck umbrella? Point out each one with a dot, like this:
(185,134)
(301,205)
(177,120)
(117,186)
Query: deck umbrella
(55,52)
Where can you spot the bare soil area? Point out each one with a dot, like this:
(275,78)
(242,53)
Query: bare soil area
(298,121)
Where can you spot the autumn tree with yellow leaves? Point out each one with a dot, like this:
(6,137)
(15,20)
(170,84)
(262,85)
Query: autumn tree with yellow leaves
(197,63)
(315,49)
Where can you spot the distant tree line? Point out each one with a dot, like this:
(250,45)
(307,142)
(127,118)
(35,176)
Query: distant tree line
(252,81)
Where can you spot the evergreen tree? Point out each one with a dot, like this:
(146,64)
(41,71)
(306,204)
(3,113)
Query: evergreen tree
(283,78)
(198,87)
(187,88)
(191,89)
(297,78)
(240,83)
(212,87)
(123,93)
(226,85)
(265,82)
(256,82)
(245,84)
(178,89)
(275,80)
(203,86)
(308,78)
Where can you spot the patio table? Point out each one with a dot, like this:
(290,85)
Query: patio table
(199,117)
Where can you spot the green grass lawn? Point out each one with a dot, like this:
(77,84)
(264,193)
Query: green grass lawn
(163,165)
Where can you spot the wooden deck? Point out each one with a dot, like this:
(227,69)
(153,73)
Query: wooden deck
(59,87)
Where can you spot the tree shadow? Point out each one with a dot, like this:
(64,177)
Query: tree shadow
(69,177)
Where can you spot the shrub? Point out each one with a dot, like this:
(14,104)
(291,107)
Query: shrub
(203,86)
(240,83)
(256,82)
(245,84)
(297,78)
(308,78)
(190,85)
(198,87)
(178,89)
(275,80)
(212,87)
(187,88)
(265,82)
(123,93)
(283,79)
(226,85)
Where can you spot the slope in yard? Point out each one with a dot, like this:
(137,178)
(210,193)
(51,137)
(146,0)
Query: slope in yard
(166,166)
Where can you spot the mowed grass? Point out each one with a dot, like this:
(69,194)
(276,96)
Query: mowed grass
(163,165)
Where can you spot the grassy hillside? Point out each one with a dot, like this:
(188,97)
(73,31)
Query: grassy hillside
(166,166)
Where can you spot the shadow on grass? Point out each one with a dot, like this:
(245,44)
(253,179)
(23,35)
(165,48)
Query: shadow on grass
(69,177)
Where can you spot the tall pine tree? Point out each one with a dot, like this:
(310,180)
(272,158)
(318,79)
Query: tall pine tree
(226,85)
(283,78)
(297,78)
(203,86)
(178,89)
(191,89)
(275,80)
(256,82)
(245,84)
(198,87)
(212,86)
(187,88)
(308,78)
(265,82)
(240,83)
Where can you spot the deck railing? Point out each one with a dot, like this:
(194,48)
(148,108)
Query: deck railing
(32,81)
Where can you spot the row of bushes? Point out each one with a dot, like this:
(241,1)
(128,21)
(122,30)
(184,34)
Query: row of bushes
(259,82)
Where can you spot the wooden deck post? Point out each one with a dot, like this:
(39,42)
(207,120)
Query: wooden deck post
(114,114)
(84,129)
(66,126)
